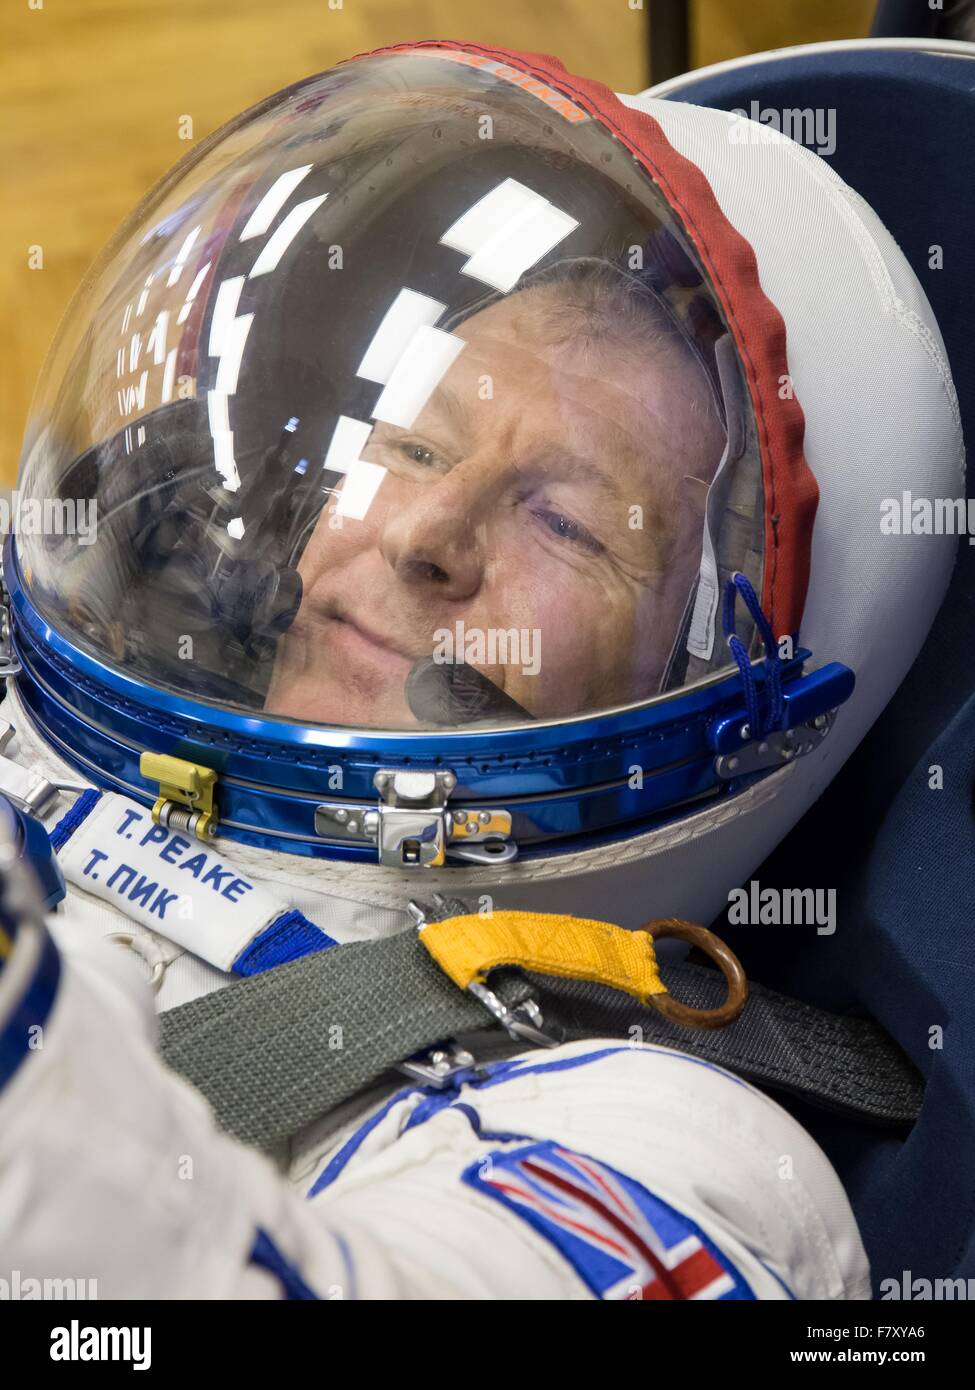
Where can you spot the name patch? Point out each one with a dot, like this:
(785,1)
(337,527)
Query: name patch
(166,881)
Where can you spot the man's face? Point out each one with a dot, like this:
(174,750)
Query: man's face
(550,487)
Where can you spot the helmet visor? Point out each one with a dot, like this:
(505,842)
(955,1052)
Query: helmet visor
(403,403)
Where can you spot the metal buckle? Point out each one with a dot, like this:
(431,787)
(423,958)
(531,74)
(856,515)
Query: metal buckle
(525,1022)
(413,828)
(438,1066)
(411,824)
(9,664)
(774,749)
(37,800)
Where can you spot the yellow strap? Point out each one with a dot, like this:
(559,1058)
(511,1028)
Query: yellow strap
(466,948)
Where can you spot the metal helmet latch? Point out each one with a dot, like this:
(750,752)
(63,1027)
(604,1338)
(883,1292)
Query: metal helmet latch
(414,828)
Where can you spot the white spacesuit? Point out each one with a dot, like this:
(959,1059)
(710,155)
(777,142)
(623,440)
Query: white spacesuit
(597,1168)
(343,395)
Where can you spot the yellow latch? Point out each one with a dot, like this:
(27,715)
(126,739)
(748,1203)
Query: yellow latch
(185,800)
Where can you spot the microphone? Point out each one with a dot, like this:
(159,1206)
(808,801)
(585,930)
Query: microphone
(452,692)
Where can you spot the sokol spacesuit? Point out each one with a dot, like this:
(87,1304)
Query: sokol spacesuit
(436,417)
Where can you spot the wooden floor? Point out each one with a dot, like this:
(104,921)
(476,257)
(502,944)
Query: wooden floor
(92,92)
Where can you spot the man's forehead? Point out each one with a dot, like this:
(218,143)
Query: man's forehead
(545,337)
(621,400)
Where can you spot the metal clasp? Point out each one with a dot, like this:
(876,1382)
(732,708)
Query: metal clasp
(774,749)
(525,1022)
(411,824)
(9,664)
(413,827)
(438,1066)
(37,799)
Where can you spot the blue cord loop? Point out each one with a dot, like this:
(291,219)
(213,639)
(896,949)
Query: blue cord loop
(757,724)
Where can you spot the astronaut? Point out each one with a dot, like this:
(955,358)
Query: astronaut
(459,531)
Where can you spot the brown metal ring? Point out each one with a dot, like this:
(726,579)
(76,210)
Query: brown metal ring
(722,955)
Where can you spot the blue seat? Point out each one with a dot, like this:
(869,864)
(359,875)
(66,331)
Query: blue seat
(913,18)
(904,126)
(899,852)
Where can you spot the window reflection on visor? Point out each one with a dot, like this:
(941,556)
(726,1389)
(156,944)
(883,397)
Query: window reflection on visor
(447,440)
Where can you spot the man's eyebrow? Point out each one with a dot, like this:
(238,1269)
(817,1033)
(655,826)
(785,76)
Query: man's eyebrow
(450,405)
(567,463)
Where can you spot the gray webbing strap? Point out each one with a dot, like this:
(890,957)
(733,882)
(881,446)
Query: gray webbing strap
(278,1051)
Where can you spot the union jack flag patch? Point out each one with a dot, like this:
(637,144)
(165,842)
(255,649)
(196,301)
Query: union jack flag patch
(622,1241)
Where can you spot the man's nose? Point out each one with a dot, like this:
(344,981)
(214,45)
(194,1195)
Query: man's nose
(435,537)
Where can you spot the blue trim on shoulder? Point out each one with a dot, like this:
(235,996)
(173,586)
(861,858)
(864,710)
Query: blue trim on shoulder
(490,1074)
(434,1100)
(517,1066)
(351,1146)
(433,1103)
(793,1298)
(289,937)
(349,1263)
(266,1255)
(31,1010)
(496,1136)
(70,821)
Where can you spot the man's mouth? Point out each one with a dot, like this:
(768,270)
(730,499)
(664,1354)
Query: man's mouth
(357,638)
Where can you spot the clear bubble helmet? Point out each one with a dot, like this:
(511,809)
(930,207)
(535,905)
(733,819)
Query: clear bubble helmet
(429,420)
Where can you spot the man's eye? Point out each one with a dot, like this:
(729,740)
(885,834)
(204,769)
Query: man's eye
(417,453)
(567,529)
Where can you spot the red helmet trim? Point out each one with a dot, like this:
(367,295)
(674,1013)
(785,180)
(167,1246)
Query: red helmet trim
(758,329)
